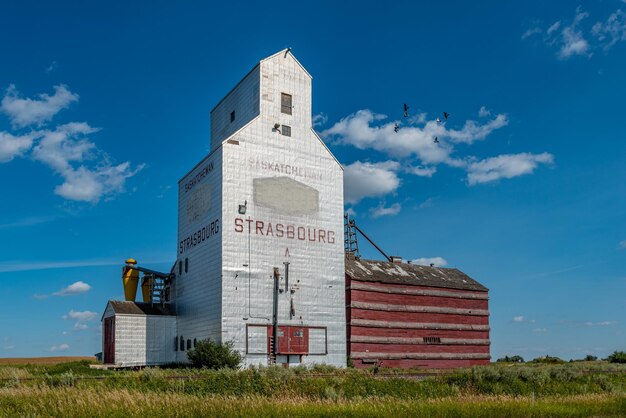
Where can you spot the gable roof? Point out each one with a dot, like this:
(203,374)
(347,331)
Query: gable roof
(139,308)
(410,274)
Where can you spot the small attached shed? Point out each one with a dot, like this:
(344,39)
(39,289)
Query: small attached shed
(405,315)
(138,334)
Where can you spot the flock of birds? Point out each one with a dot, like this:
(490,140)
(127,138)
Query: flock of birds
(439,121)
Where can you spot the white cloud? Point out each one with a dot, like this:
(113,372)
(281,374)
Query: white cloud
(319,119)
(483,112)
(80,316)
(40,296)
(540,330)
(521,318)
(622,244)
(422,171)
(14,146)
(79,326)
(432,142)
(427,203)
(65,150)
(531,31)
(381,210)
(473,131)
(364,130)
(570,40)
(599,324)
(505,166)
(47,265)
(53,66)
(612,31)
(555,26)
(73,289)
(24,112)
(363,179)
(60,347)
(427,261)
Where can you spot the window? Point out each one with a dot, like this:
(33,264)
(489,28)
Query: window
(180,268)
(432,340)
(285,103)
(232,116)
(188,343)
(286,130)
(195,341)
(175,343)
(186,265)
(182,344)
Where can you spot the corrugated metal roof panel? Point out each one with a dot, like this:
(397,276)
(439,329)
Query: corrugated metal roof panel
(138,308)
(409,274)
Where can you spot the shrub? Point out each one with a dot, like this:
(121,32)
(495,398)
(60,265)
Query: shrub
(548,360)
(214,355)
(512,359)
(589,357)
(617,357)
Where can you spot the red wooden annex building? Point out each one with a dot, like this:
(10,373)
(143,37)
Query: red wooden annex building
(405,315)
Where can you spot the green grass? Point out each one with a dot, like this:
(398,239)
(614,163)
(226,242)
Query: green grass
(73,389)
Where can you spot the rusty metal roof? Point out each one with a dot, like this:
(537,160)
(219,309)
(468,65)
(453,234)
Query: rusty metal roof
(138,308)
(410,274)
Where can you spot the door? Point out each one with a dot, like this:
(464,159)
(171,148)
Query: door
(109,340)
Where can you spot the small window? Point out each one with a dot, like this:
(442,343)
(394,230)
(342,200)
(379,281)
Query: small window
(286,130)
(285,103)
(182,343)
(195,341)
(432,340)
(175,343)
(186,265)
(232,116)
(188,343)
(180,268)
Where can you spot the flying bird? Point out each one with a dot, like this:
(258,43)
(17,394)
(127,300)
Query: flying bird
(406,110)
(445,116)
(396,128)
(436,140)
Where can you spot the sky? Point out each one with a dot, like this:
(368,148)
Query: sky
(104,107)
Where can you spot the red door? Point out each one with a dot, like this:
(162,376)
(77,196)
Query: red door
(109,340)
(291,339)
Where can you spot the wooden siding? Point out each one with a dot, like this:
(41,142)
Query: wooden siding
(399,325)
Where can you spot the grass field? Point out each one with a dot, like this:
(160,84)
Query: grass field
(72,389)
(42,360)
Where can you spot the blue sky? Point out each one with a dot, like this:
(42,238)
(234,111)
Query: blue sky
(105,107)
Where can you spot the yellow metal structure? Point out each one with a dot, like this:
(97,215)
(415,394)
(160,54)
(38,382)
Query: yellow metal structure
(130,278)
(146,288)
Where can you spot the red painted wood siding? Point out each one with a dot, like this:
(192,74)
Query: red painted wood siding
(387,339)
(376,297)
(413,333)
(418,317)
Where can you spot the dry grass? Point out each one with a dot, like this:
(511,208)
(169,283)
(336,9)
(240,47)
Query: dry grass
(95,402)
(42,361)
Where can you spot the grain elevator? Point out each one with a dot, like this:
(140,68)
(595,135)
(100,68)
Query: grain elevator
(259,255)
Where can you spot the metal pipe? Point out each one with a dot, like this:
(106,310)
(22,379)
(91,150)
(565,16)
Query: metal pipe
(145,270)
(371,242)
(275,311)
(286,263)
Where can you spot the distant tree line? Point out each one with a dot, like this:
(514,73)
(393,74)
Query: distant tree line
(616,357)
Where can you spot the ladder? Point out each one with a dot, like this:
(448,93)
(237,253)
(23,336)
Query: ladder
(271,359)
(350,243)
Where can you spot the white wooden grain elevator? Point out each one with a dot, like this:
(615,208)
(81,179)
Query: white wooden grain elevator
(260,258)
